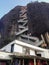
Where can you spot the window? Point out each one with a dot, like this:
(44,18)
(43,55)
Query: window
(12,47)
(4,50)
(26,51)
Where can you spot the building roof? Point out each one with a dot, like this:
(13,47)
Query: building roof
(18,42)
(29,45)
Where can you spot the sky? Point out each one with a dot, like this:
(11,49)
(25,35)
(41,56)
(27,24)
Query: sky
(7,5)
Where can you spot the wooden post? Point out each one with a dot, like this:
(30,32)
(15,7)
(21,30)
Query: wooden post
(42,38)
(12,61)
(34,61)
(23,61)
(19,62)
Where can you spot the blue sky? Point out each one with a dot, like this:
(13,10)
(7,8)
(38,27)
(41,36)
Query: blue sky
(7,5)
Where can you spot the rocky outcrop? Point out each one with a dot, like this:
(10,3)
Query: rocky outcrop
(26,22)
(38,18)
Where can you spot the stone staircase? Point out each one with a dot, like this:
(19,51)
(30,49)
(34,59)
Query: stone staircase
(23,29)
